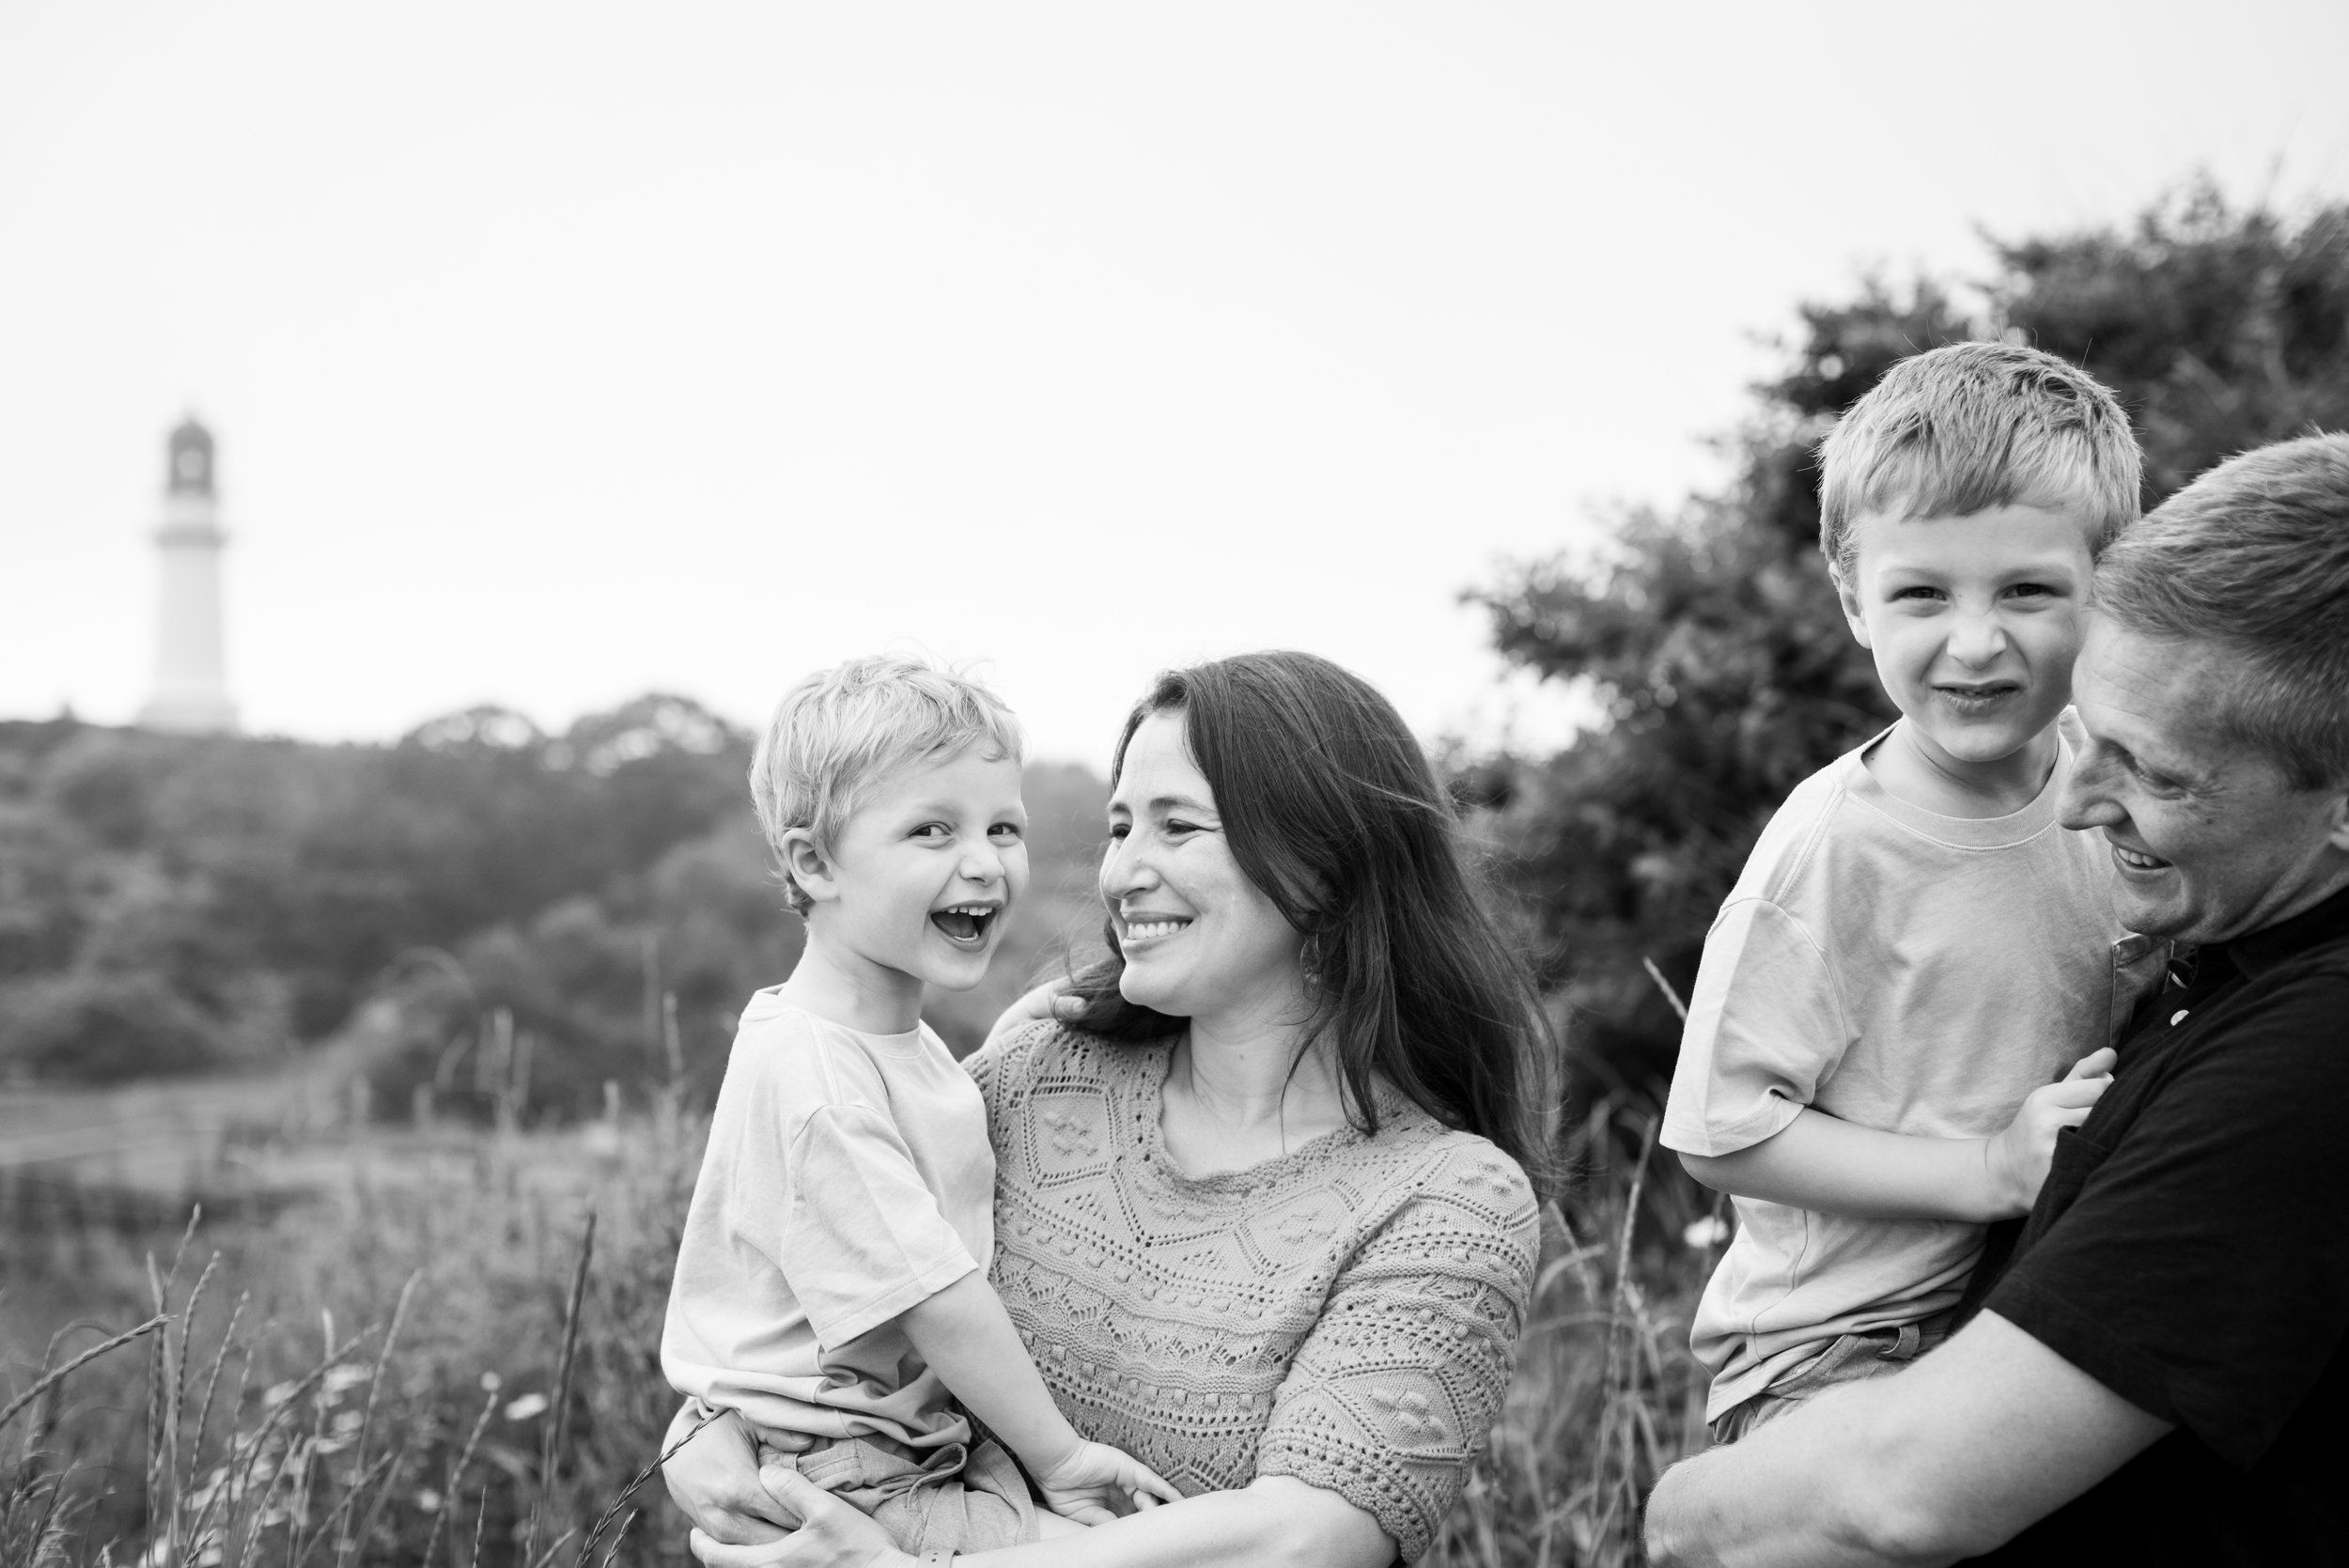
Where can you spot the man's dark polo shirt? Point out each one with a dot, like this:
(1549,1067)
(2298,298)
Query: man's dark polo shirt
(2190,1252)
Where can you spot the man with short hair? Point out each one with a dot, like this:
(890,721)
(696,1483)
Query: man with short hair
(2157,1377)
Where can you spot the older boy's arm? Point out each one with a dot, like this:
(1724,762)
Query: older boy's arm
(1945,1460)
(1830,1166)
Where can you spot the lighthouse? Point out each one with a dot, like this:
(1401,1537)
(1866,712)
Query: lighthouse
(191,692)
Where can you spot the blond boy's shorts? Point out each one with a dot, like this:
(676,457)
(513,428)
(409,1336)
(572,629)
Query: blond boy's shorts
(955,1498)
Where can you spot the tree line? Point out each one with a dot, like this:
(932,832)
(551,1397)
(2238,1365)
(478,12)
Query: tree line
(594,906)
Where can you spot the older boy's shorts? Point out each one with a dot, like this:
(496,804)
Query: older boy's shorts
(955,1497)
(1851,1359)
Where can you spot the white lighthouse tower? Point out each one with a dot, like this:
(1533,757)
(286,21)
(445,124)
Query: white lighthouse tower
(191,689)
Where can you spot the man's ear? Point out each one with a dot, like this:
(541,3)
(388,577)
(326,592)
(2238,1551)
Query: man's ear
(2336,831)
(1850,601)
(806,865)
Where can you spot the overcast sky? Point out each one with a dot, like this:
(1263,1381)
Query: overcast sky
(559,352)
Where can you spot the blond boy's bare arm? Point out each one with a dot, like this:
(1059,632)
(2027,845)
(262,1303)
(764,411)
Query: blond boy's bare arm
(967,1338)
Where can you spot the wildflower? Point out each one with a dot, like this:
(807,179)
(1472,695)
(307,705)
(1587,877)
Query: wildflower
(1711,1231)
(525,1407)
(344,1376)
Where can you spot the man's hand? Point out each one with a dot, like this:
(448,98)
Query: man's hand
(2018,1157)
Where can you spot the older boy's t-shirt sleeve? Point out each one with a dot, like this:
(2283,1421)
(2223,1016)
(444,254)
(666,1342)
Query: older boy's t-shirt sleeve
(865,1239)
(1765,1026)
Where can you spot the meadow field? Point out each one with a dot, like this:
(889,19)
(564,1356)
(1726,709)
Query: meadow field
(417,1346)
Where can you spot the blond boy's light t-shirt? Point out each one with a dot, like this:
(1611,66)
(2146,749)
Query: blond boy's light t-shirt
(1902,970)
(847,1177)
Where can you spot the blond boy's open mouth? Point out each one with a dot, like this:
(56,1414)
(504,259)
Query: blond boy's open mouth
(966,924)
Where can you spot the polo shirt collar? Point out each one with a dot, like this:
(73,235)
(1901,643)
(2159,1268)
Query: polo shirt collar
(2256,953)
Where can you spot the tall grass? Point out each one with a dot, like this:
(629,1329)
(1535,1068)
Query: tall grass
(452,1361)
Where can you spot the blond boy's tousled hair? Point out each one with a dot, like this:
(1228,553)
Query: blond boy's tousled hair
(840,731)
(1970,426)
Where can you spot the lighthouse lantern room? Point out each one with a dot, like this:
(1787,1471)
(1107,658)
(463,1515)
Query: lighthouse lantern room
(191,691)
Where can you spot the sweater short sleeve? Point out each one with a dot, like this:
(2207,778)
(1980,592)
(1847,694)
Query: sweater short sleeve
(2202,1273)
(1396,1387)
(1765,1028)
(867,1238)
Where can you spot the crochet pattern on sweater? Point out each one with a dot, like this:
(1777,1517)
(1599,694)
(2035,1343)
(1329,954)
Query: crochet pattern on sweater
(1347,1315)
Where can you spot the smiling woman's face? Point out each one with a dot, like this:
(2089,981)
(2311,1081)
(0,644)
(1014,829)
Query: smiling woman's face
(1200,940)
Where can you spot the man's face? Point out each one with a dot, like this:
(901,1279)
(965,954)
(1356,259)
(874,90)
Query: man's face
(2210,839)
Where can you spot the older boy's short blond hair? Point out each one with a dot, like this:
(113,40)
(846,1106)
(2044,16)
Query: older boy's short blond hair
(841,731)
(1970,426)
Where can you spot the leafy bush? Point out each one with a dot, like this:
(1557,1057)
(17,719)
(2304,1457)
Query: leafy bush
(1710,635)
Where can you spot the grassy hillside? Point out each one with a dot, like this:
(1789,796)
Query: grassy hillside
(517,917)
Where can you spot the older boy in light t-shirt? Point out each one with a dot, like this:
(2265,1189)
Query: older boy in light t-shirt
(1877,1053)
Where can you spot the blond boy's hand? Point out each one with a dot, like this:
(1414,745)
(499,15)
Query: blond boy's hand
(2019,1156)
(1091,1484)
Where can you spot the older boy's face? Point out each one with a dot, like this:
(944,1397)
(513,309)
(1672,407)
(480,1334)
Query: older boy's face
(1974,622)
(2210,839)
(928,866)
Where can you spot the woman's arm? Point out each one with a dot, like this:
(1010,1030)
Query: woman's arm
(744,1517)
(1274,1521)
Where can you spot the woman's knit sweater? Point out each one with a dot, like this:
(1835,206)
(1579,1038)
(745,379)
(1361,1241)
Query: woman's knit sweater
(1347,1315)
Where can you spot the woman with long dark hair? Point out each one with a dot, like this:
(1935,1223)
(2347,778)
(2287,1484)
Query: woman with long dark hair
(1329,809)
(1266,1200)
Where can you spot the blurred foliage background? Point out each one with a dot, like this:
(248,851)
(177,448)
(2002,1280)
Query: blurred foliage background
(483,910)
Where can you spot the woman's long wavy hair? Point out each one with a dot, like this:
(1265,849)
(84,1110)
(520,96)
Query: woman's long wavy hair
(1331,810)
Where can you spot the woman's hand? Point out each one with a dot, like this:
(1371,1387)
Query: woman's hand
(715,1480)
(833,1534)
(1048,1000)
